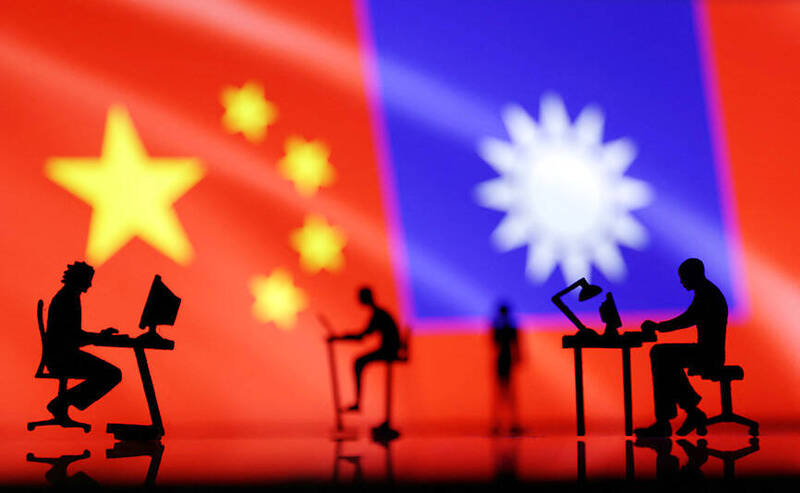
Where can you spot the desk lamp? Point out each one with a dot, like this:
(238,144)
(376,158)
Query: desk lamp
(587,291)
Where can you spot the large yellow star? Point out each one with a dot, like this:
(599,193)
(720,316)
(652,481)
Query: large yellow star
(277,299)
(247,111)
(131,194)
(319,244)
(306,165)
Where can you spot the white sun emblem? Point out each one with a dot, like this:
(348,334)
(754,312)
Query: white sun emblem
(564,192)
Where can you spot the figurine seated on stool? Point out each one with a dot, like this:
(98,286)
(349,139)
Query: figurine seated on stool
(671,388)
(62,342)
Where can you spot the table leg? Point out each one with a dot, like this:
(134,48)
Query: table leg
(135,448)
(629,466)
(579,391)
(581,461)
(149,390)
(337,405)
(626,383)
(153,431)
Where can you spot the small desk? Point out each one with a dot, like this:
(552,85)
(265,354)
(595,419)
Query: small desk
(155,429)
(624,342)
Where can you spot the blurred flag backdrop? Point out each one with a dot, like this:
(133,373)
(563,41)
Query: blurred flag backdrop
(269,158)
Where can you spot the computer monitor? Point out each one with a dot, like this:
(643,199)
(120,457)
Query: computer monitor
(610,316)
(161,307)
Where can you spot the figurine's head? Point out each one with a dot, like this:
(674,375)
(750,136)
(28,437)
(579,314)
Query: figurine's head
(692,273)
(365,296)
(503,308)
(78,276)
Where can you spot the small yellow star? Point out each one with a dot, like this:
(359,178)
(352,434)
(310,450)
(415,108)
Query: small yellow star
(247,111)
(277,299)
(131,193)
(306,165)
(319,244)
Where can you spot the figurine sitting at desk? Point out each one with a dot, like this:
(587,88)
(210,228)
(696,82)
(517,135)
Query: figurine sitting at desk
(63,339)
(709,312)
(382,323)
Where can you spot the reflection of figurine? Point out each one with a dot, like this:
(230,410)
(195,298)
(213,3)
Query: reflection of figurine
(506,342)
(667,465)
(354,460)
(697,455)
(729,457)
(57,475)
(506,453)
(630,472)
(140,448)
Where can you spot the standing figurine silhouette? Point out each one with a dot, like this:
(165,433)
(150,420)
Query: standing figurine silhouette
(506,343)
(380,322)
(709,312)
(62,342)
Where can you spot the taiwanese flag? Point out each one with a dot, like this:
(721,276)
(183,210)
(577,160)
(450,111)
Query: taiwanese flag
(267,159)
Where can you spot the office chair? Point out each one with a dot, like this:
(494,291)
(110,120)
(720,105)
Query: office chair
(384,432)
(725,375)
(42,372)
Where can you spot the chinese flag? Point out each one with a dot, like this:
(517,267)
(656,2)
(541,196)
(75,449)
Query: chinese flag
(229,149)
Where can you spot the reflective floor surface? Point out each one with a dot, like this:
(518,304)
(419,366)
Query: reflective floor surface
(75,459)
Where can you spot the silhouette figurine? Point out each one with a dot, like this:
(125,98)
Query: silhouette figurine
(506,342)
(62,342)
(709,312)
(382,323)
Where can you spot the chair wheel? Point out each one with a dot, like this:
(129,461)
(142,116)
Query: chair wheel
(86,428)
(31,426)
(754,430)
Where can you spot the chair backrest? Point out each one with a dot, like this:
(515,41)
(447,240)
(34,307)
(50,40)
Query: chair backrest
(40,373)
